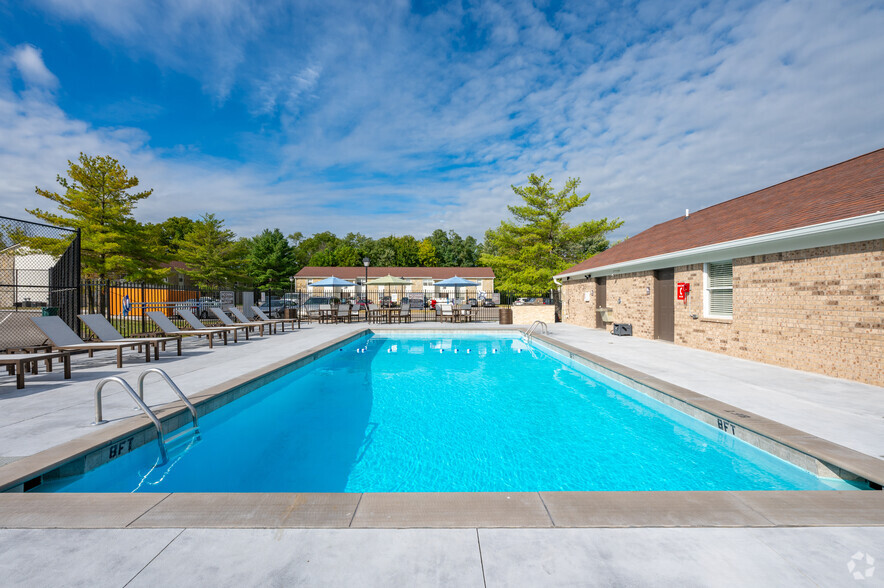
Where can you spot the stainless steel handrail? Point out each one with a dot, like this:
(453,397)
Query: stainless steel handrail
(172,385)
(533,326)
(138,401)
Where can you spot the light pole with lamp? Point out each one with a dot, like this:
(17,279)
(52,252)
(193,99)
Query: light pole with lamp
(291,291)
(366,262)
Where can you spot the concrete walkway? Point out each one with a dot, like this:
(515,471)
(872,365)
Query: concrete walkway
(441,557)
(51,411)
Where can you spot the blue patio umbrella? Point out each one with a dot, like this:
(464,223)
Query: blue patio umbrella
(333,282)
(456,282)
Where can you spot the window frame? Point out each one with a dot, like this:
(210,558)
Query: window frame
(707,290)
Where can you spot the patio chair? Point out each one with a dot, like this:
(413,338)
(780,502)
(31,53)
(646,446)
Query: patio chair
(64,339)
(229,322)
(464,312)
(343,314)
(264,318)
(354,313)
(446,313)
(196,324)
(326,315)
(169,328)
(375,314)
(16,363)
(106,332)
(404,314)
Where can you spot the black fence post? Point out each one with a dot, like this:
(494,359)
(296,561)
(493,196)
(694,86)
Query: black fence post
(143,309)
(106,299)
(78,277)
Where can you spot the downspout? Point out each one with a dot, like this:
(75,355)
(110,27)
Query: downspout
(559,284)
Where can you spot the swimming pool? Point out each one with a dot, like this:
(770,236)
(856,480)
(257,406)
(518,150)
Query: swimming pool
(458,413)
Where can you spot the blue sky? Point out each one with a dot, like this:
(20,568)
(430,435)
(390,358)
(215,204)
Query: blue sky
(398,117)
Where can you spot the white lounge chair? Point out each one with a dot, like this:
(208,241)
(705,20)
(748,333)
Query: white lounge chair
(65,339)
(169,328)
(222,316)
(263,317)
(107,333)
(196,324)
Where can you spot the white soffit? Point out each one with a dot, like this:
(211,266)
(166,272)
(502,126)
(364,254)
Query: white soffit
(849,230)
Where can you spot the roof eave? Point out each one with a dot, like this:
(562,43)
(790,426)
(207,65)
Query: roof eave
(850,230)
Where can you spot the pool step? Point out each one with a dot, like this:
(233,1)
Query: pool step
(180,434)
(181,442)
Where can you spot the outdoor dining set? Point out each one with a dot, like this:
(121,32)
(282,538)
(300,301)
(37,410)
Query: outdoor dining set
(372,313)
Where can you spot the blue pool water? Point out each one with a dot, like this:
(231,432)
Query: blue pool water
(440,414)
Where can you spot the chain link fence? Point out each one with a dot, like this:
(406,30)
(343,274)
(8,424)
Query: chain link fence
(39,275)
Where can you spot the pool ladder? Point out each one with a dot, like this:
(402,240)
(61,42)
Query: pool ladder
(544,329)
(139,400)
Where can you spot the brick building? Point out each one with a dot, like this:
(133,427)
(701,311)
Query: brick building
(791,275)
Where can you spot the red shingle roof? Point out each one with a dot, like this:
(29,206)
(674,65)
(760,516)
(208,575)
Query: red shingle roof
(845,190)
(436,273)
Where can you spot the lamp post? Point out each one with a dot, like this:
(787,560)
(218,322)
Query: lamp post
(366,262)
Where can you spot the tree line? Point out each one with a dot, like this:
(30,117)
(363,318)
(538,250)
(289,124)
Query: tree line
(98,198)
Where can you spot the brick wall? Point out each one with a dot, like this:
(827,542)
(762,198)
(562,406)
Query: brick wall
(626,295)
(525,315)
(820,310)
(576,309)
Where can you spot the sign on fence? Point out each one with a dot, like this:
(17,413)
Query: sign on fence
(227,299)
(495,298)
(416,299)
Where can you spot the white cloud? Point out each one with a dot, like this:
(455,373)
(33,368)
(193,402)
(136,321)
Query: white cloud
(370,118)
(28,60)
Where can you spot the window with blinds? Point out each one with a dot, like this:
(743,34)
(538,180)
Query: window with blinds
(719,298)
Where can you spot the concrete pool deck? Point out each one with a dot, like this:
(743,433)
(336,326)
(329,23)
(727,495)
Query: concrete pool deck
(51,411)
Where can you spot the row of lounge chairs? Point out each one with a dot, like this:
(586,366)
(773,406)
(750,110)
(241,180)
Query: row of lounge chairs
(65,340)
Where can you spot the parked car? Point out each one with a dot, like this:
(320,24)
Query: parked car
(472,302)
(361,304)
(314,302)
(273,308)
(200,306)
(488,302)
(387,302)
(291,300)
(520,302)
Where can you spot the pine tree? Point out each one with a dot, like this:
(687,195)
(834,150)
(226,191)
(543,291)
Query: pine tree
(527,253)
(271,260)
(97,201)
(212,256)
